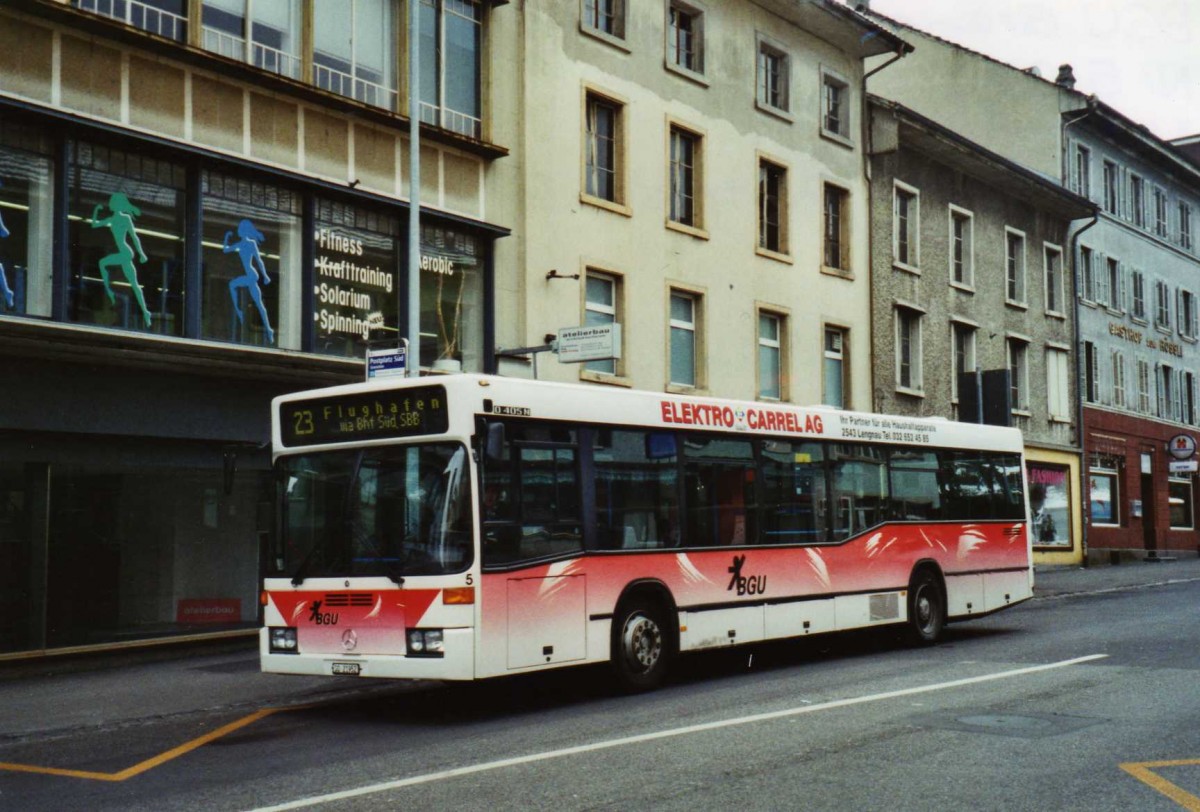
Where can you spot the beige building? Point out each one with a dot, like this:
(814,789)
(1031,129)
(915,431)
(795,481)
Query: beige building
(694,171)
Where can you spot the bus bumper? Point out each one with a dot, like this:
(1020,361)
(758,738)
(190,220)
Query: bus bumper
(458,663)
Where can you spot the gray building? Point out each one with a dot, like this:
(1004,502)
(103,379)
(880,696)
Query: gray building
(970,271)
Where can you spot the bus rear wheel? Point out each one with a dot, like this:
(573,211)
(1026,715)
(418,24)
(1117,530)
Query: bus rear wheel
(641,645)
(926,608)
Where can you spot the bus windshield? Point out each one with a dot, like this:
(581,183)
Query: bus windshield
(390,511)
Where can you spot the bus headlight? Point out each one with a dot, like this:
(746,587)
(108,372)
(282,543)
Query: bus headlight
(426,643)
(283,640)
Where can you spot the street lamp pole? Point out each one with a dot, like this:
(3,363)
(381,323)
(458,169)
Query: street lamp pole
(414,188)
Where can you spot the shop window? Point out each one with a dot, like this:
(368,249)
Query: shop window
(26,222)
(251,256)
(125,240)
(451,299)
(356,257)
(1049,504)
(1179,502)
(1104,492)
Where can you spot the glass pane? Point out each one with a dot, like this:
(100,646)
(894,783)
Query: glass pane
(126,240)
(916,494)
(859,481)
(636,490)
(683,357)
(681,309)
(461,59)
(26,229)
(452,265)
(793,492)
(251,235)
(600,291)
(719,491)
(768,372)
(834,395)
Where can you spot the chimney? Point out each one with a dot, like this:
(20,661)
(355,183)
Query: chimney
(1066,77)
(863,6)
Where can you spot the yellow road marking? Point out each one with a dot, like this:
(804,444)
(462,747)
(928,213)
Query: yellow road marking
(150,763)
(1144,772)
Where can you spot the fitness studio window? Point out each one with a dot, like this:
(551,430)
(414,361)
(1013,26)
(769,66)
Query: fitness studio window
(125,240)
(251,259)
(451,299)
(26,233)
(356,254)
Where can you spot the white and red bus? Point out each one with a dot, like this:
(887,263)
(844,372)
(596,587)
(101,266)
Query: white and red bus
(467,526)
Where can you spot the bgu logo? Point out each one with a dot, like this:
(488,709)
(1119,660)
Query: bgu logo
(745,585)
(322,618)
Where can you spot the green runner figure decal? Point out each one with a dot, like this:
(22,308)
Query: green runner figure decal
(252,263)
(120,223)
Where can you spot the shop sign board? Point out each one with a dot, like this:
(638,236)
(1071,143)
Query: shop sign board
(389,363)
(597,342)
(1182,447)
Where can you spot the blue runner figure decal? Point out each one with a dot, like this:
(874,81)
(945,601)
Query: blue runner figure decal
(252,263)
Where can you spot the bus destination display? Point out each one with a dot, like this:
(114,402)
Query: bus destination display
(374,416)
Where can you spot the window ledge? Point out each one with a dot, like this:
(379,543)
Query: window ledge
(912,393)
(1086,302)
(775,112)
(691,231)
(1022,413)
(837,138)
(1013,303)
(1112,311)
(682,389)
(608,39)
(1056,314)
(607,205)
(962,286)
(840,273)
(591,376)
(778,256)
(904,266)
(686,73)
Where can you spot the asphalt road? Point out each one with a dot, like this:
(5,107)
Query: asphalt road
(1085,698)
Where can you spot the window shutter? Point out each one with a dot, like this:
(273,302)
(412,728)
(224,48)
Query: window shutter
(1073,165)
(1122,293)
(1158,391)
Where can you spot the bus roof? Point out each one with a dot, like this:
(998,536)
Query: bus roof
(469,395)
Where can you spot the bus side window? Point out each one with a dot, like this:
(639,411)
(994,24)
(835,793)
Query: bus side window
(636,490)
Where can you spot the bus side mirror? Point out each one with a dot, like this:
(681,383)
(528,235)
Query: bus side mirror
(494,445)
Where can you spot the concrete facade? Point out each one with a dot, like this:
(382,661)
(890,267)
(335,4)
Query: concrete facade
(950,307)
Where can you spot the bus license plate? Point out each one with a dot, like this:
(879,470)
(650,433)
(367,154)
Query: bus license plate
(347,669)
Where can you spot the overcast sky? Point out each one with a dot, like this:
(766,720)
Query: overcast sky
(1140,56)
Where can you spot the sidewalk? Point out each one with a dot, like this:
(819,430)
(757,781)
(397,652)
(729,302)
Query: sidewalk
(53,698)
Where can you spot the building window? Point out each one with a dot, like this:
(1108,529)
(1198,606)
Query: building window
(1168,394)
(1018,368)
(683,344)
(906,218)
(685,37)
(685,177)
(26,217)
(1091,373)
(602,135)
(1058,377)
(835,106)
(1104,492)
(1162,311)
(962,247)
(167,18)
(1187,391)
(1014,264)
(1137,281)
(1185,226)
(908,349)
(962,341)
(125,240)
(605,17)
(770,355)
(772,207)
(451,49)
(774,72)
(1049,504)
(1118,379)
(1179,503)
(354,50)
(1160,213)
(1187,314)
(1114,286)
(601,308)
(1112,186)
(836,243)
(452,270)
(833,379)
(1054,280)
(1082,171)
(251,257)
(1143,384)
(1087,274)
(1137,200)
(266,35)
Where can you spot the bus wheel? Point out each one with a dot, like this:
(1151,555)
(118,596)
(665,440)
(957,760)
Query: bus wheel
(926,608)
(641,648)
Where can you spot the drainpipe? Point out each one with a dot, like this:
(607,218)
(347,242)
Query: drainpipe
(1077,337)
(866,142)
